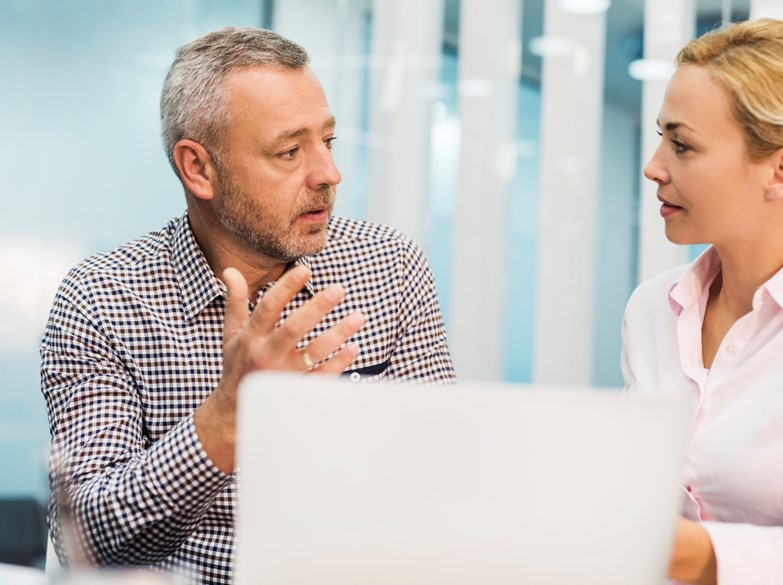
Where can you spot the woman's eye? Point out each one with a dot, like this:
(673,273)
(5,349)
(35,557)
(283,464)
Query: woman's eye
(679,147)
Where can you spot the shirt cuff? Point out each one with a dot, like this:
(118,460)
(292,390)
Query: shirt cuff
(747,553)
(190,474)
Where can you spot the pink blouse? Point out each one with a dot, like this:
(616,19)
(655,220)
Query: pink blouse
(733,478)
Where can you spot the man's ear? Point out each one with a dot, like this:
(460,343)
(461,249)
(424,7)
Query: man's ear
(774,189)
(195,168)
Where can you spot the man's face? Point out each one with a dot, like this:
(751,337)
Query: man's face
(275,185)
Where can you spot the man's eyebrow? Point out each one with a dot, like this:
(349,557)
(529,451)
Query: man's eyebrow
(289,134)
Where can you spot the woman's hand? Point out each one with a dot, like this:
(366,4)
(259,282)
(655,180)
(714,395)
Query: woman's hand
(693,558)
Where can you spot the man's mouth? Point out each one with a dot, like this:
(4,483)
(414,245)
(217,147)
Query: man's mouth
(317,214)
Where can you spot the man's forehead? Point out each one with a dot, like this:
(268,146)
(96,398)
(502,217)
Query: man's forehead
(273,85)
(288,100)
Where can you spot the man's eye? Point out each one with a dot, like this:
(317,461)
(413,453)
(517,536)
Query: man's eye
(329,142)
(289,154)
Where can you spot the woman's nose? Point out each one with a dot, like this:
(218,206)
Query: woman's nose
(654,169)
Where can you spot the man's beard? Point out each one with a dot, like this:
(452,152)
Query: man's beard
(266,231)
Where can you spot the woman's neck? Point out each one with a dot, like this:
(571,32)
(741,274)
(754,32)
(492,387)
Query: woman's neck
(741,275)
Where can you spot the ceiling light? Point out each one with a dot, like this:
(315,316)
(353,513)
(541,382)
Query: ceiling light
(584,6)
(551,46)
(650,69)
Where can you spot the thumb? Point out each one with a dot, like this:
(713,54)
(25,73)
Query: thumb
(236,303)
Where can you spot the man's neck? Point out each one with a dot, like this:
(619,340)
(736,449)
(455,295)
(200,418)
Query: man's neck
(223,250)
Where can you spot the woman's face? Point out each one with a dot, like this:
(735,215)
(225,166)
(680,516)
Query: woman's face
(710,190)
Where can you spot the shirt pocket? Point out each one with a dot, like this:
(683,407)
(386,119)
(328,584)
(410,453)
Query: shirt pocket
(370,373)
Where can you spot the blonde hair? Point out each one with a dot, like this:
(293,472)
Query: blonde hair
(747,59)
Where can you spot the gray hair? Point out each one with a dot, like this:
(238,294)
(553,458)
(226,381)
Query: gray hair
(192,104)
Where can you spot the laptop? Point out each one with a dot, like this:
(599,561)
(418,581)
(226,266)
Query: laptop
(501,484)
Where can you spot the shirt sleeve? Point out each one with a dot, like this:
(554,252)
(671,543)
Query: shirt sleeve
(117,497)
(421,353)
(746,553)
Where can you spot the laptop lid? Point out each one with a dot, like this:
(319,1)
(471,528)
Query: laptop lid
(346,484)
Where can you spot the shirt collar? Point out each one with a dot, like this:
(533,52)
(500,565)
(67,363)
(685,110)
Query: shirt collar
(308,287)
(689,287)
(198,283)
(774,286)
(306,262)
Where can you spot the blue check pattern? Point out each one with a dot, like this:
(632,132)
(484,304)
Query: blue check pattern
(133,346)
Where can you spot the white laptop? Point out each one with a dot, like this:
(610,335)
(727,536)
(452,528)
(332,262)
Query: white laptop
(358,484)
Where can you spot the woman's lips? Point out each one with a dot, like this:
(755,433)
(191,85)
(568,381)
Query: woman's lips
(668,209)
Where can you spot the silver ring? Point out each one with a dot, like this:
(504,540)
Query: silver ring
(308,361)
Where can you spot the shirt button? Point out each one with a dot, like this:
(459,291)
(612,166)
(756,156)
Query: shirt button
(731,350)
(355,376)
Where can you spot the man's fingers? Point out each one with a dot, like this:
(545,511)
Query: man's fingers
(338,363)
(236,303)
(277,349)
(277,297)
(330,340)
(305,318)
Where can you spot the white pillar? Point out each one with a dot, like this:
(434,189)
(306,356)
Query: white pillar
(668,25)
(572,90)
(334,36)
(766,9)
(407,43)
(489,66)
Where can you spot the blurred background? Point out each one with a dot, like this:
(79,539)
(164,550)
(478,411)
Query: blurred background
(507,137)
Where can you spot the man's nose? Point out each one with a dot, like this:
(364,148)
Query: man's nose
(324,171)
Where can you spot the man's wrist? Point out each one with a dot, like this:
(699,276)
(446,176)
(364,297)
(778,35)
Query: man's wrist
(215,424)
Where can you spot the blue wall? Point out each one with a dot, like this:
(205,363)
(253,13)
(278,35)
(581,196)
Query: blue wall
(83,171)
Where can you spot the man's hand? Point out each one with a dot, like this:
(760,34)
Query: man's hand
(252,343)
(693,558)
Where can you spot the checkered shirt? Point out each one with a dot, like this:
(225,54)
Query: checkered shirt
(134,345)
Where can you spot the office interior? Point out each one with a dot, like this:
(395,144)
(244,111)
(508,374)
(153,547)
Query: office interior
(506,137)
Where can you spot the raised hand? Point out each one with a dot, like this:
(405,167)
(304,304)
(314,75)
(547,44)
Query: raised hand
(251,342)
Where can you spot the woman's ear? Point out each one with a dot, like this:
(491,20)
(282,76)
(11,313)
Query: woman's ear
(774,187)
(195,168)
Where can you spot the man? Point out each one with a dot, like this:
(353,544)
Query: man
(146,344)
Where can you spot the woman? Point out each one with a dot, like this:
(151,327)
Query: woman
(713,330)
